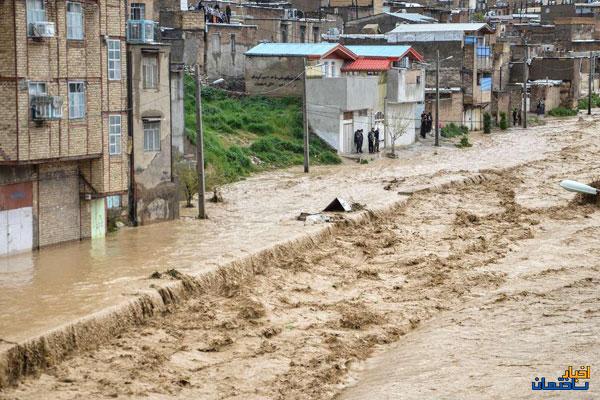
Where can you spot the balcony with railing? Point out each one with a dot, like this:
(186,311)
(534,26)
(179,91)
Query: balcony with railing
(141,31)
(46,108)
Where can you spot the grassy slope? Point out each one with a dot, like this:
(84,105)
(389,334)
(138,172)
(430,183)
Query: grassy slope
(240,130)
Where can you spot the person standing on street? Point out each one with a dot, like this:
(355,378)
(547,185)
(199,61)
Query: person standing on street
(423,130)
(370,137)
(376,134)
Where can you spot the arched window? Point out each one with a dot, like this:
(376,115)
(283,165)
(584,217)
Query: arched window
(379,116)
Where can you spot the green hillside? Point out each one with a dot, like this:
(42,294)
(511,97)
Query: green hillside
(246,134)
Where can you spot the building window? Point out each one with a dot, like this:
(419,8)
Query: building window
(316,35)
(113,201)
(76,100)
(151,136)
(138,11)
(216,43)
(302,34)
(232,42)
(325,69)
(114,134)
(74,21)
(150,71)
(37,89)
(363,113)
(114,59)
(284,33)
(35,13)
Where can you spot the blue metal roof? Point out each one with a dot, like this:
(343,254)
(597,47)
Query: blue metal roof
(378,51)
(291,49)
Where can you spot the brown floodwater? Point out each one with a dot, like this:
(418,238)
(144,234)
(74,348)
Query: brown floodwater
(47,288)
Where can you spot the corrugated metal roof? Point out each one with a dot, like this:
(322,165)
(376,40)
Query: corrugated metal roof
(291,49)
(414,17)
(430,28)
(367,64)
(379,51)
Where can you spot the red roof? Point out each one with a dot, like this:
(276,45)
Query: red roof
(367,64)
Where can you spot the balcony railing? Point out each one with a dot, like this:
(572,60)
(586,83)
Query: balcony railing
(46,108)
(141,31)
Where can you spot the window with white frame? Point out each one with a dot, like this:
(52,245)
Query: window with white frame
(74,21)
(114,134)
(114,59)
(35,13)
(113,201)
(138,11)
(150,71)
(76,100)
(151,136)
(37,89)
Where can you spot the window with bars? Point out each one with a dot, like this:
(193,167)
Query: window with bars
(150,71)
(114,59)
(151,136)
(114,134)
(74,21)
(138,11)
(113,201)
(35,13)
(76,100)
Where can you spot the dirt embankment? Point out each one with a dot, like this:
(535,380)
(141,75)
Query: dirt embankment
(291,326)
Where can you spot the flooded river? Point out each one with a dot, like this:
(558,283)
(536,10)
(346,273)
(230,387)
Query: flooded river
(45,289)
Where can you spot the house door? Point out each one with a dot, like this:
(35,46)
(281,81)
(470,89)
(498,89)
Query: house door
(348,134)
(98,218)
(378,122)
(16,218)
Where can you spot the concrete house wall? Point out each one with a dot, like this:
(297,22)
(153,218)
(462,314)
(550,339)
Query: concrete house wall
(225,48)
(154,193)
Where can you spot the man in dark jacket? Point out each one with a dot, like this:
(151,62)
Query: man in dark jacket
(423,130)
(376,134)
(358,140)
(371,137)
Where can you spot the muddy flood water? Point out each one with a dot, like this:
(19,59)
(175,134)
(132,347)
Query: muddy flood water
(423,300)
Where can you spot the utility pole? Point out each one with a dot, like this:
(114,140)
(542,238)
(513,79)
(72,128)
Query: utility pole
(305,114)
(525,79)
(590,80)
(437,98)
(200,147)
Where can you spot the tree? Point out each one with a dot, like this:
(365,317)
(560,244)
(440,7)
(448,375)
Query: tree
(487,123)
(397,126)
(188,180)
(503,121)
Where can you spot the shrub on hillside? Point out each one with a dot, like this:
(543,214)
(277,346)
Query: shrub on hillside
(503,121)
(487,123)
(452,130)
(562,112)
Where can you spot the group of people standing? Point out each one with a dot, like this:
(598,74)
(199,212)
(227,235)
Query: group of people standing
(372,137)
(214,14)
(426,123)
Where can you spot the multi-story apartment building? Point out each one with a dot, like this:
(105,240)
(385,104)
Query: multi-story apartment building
(63,125)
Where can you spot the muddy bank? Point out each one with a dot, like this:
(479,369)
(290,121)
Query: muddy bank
(36,355)
(291,323)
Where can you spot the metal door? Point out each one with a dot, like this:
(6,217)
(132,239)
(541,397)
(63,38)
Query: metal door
(348,137)
(98,218)
(16,218)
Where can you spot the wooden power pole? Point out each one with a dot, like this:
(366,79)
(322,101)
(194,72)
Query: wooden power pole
(590,81)
(525,79)
(200,148)
(305,114)
(437,98)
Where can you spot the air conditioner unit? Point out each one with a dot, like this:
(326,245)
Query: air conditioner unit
(46,108)
(42,29)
